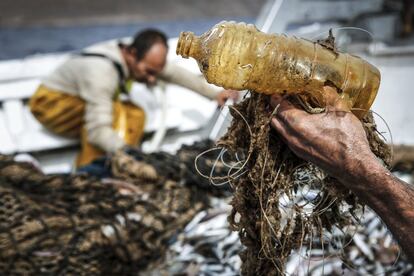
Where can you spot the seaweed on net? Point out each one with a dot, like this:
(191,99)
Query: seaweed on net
(283,205)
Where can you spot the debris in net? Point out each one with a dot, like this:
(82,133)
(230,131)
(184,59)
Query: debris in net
(285,204)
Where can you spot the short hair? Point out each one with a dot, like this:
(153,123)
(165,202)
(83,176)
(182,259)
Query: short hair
(144,40)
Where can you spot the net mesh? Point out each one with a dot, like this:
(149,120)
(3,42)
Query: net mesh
(83,225)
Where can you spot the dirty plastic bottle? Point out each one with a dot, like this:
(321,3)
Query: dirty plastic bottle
(239,56)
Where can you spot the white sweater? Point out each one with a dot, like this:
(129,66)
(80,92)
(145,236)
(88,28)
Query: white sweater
(96,80)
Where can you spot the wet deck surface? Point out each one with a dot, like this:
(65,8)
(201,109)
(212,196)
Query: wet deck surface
(32,27)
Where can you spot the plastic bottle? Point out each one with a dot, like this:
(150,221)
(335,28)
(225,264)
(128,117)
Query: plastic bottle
(239,56)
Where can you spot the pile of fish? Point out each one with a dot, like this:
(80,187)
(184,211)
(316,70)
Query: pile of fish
(206,246)
(370,250)
(151,215)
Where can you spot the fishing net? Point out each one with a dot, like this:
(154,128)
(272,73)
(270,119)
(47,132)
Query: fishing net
(283,205)
(133,165)
(83,225)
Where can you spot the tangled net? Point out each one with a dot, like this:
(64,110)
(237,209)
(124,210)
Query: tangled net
(83,225)
(282,204)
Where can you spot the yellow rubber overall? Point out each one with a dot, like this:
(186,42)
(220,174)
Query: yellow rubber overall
(63,114)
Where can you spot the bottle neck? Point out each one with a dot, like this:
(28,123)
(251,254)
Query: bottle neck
(187,45)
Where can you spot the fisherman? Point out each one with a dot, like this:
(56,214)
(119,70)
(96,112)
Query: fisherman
(336,142)
(81,98)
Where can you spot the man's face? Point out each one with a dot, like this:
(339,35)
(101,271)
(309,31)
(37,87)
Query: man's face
(150,66)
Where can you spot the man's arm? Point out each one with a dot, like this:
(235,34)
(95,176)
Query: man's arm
(336,141)
(391,198)
(97,89)
(178,75)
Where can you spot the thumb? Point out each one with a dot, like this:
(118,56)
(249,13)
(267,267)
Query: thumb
(335,101)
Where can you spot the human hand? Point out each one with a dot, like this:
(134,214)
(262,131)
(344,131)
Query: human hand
(334,140)
(224,95)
